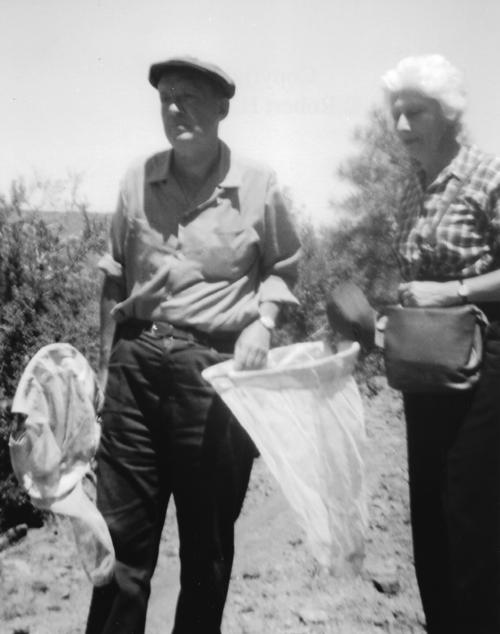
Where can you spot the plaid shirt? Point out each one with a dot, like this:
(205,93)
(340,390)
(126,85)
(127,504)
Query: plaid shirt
(466,242)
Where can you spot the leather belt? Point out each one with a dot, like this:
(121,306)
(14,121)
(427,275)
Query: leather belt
(163,329)
(223,342)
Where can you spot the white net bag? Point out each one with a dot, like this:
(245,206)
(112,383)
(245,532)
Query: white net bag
(305,415)
(52,450)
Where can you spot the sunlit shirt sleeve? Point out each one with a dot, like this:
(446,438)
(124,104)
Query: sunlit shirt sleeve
(111,262)
(281,252)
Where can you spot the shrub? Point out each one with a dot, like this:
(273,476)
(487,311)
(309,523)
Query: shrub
(48,293)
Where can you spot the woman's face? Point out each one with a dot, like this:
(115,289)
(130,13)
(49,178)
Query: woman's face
(420,125)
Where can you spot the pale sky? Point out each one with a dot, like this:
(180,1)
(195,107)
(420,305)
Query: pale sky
(75,95)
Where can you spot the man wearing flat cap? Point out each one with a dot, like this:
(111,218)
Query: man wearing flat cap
(202,255)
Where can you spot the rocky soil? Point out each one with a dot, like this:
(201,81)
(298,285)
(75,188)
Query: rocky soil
(277,587)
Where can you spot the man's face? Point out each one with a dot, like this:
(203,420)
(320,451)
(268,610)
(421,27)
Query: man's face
(420,124)
(191,109)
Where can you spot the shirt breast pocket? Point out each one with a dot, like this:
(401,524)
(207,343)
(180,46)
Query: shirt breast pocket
(222,253)
(232,252)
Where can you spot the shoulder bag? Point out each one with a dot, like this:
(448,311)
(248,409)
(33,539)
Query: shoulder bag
(433,349)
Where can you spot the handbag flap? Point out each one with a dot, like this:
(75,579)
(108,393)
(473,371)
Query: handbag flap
(432,335)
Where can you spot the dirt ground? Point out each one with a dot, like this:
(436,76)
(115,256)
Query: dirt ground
(276,587)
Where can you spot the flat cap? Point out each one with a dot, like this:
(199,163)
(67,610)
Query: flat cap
(211,71)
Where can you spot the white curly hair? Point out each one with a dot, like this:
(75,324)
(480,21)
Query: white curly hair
(433,76)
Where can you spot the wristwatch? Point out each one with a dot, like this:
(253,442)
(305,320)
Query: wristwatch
(267,321)
(463,292)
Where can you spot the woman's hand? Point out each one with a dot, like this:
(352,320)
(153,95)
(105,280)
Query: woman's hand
(426,294)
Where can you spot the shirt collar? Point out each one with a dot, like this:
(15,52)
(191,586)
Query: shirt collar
(461,165)
(229,172)
(158,167)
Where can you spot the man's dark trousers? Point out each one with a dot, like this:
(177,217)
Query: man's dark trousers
(454,474)
(165,432)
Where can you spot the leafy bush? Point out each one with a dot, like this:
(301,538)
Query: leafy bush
(48,293)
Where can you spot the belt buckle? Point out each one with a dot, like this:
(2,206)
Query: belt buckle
(161,329)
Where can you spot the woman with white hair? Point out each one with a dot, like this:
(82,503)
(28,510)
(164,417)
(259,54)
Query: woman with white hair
(448,247)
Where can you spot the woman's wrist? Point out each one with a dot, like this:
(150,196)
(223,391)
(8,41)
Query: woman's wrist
(451,294)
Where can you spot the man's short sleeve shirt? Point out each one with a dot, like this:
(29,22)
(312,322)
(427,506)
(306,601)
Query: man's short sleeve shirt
(210,264)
